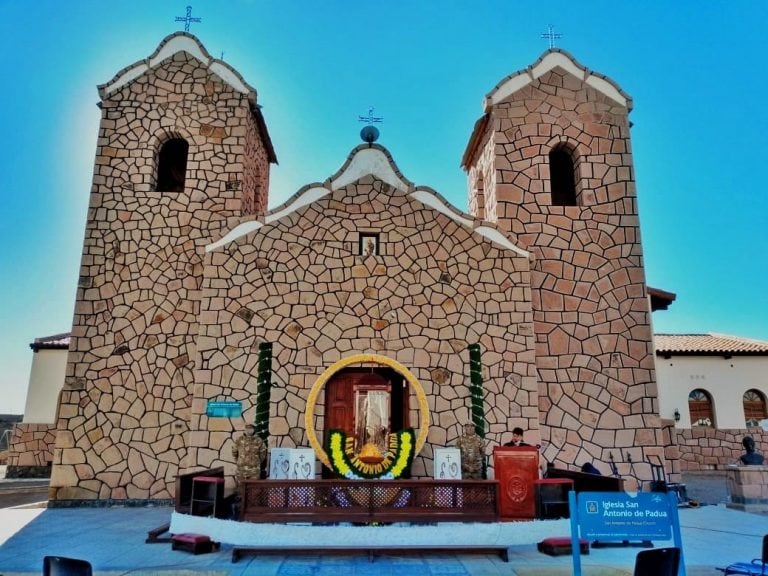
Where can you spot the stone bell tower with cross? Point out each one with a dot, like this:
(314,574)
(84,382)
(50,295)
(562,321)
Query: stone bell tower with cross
(183,151)
(550,162)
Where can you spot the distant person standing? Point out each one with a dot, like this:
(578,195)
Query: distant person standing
(517,438)
(250,453)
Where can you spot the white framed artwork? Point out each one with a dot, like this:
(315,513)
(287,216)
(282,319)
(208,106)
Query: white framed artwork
(447,464)
(279,463)
(301,465)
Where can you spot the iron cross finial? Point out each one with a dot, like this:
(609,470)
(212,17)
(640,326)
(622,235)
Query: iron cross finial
(188,19)
(370,119)
(551,35)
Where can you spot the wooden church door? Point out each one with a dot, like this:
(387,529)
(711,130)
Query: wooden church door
(345,392)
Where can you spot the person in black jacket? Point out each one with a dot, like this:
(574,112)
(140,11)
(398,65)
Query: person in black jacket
(517,438)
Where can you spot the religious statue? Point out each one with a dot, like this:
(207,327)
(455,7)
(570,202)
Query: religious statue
(250,453)
(750,457)
(472,450)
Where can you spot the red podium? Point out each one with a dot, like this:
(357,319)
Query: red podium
(516,468)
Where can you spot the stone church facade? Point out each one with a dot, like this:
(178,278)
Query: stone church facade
(363,280)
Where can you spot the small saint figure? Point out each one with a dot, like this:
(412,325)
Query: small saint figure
(472,450)
(750,456)
(250,452)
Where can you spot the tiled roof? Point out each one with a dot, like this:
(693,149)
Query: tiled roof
(51,342)
(665,344)
(707,344)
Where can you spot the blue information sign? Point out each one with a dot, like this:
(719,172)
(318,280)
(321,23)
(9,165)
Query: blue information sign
(623,516)
(224,409)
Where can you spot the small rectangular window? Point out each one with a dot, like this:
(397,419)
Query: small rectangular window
(368,245)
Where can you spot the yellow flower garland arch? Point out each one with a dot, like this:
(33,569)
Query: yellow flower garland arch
(309,414)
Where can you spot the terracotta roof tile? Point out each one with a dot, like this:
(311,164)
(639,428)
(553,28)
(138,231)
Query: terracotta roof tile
(702,344)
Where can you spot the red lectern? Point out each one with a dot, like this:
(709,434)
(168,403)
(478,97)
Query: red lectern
(516,468)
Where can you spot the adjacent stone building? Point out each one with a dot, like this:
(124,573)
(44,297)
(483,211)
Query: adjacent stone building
(31,444)
(363,282)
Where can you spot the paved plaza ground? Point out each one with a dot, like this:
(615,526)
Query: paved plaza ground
(112,539)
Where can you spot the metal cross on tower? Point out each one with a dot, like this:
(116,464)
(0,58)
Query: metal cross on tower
(188,19)
(551,35)
(370,119)
(370,133)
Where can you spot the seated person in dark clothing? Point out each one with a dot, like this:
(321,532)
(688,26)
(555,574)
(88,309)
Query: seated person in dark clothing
(588,468)
(517,438)
(750,457)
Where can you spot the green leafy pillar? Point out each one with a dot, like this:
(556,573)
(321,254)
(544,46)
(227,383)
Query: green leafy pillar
(476,395)
(263,389)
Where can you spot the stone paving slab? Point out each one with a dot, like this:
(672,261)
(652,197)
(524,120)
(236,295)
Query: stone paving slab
(112,539)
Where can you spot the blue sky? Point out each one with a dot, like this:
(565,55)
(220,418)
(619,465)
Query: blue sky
(696,72)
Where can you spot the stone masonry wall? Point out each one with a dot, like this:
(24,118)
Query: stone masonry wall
(593,337)
(31,446)
(712,449)
(124,409)
(482,178)
(434,289)
(255,171)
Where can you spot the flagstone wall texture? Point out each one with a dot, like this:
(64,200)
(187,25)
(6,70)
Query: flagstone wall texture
(434,289)
(30,450)
(160,327)
(714,449)
(594,350)
(124,411)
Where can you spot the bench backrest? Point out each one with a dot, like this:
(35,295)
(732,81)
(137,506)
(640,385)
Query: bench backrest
(583,482)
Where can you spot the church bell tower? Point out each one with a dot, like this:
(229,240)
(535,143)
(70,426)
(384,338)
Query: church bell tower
(183,151)
(550,162)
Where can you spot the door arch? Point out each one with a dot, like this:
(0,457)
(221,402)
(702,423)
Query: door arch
(363,360)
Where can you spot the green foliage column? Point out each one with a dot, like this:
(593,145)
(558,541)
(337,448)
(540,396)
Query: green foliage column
(263,389)
(476,390)
(476,396)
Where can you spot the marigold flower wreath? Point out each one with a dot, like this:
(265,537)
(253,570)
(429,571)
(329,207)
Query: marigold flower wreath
(396,461)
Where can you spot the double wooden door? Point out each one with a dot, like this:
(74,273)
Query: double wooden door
(350,392)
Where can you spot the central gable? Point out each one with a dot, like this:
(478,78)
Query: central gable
(371,163)
(366,264)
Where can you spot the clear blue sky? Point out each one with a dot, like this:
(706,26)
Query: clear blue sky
(696,71)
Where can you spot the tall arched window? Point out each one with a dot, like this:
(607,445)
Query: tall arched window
(754,407)
(562,174)
(701,409)
(172,165)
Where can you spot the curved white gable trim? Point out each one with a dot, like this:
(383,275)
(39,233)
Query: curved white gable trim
(498,238)
(508,88)
(227,74)
(602,85)
(304,199)
(554,59)
(235,233)
(369,161)
(429,199)
(550,61)
(180,44)
(128,76)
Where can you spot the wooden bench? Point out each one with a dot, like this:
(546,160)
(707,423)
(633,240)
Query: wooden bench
(583,482)
(371,551)
(369,501)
